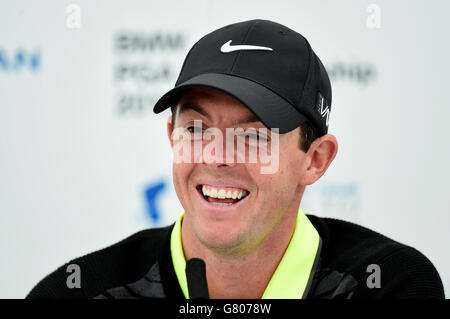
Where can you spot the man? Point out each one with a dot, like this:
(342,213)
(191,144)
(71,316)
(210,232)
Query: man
(259,84)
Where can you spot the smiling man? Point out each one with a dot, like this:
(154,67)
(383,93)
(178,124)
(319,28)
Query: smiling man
(236,237)
(251,95)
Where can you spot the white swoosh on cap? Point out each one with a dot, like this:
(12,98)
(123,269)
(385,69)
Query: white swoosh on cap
(227,47)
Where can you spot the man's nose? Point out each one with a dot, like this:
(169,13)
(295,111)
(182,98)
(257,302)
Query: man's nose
(218,149)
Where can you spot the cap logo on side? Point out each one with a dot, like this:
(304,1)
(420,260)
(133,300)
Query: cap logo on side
(227,47)
(323,107)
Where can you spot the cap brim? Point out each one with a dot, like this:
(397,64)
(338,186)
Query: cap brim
(272,110)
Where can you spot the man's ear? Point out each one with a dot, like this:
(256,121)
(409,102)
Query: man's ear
(169,130)
(319,157)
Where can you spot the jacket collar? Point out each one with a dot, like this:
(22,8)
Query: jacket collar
(293,276)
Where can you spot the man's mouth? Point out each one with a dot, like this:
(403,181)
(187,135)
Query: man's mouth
(222,196)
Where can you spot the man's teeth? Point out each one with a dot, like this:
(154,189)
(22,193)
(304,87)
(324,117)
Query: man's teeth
(223,193)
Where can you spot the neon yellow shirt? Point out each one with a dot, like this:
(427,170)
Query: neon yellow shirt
(293,274)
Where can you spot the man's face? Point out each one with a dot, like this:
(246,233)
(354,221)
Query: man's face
(233,223)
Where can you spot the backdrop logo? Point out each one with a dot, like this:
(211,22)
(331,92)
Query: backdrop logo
(132,42)
(361,73)
(335,199)
(19,60)
(146,65)
(152,194)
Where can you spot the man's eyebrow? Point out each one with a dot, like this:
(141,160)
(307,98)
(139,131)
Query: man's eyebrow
(250,119)
(196,108)
(188,106)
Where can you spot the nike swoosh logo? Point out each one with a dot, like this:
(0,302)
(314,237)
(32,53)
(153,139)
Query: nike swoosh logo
(227,47)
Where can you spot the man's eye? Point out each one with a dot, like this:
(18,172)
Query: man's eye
(263,139)
(195,129)
(256,137)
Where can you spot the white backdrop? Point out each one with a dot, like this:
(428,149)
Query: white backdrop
(84,162)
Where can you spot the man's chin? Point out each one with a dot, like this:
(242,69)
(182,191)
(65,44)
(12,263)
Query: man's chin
(221,240)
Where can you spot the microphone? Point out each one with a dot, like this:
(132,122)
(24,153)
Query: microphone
(196,279)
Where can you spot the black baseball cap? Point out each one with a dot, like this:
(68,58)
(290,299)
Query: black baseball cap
(266,66)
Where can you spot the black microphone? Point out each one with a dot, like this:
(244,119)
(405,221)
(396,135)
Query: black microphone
(196,279)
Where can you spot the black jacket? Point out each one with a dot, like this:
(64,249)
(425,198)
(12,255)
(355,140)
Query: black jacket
(140,266)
